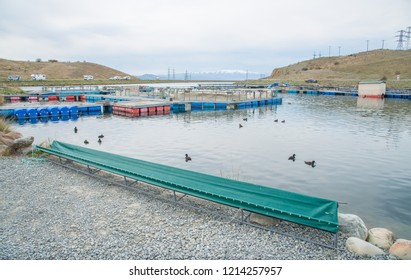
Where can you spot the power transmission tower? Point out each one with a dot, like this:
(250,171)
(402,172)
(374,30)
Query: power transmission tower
(186,76)
(408,35)
(401,36)
(339,50)
(314,55)
(174,73)
(168,76)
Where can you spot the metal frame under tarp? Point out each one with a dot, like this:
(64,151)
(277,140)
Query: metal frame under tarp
(314,212)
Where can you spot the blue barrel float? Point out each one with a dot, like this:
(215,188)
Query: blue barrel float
(64,111)
(42,112)
(20,113)
(221,106)
(32,113)
(73,110)
(82,110)
(53,111)
(94,110)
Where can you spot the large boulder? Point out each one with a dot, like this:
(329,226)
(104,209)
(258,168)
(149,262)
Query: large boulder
(352,225)
(381,237)
(402,249)
(19,145)
(362,248)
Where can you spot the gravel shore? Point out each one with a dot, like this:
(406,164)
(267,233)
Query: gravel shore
(51,212)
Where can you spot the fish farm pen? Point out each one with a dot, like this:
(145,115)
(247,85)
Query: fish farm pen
(131,102)
(134,101)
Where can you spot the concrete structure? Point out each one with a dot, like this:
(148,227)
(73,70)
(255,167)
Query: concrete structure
(371,89)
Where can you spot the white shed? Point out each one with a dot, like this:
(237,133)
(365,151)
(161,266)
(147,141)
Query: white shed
(371,89)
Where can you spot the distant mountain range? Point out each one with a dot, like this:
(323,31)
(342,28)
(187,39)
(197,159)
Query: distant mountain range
(224,75)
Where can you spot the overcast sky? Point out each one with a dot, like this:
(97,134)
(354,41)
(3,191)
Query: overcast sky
(150,36)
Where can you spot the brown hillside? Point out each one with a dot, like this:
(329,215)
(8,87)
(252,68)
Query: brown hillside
(57,70)
(377,64)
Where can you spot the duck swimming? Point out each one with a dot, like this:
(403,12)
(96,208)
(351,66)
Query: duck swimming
(240,125)
(101,136)
(311,163)
(99,140)
(75,129)
(245,119)
(276,120)
(292,157)
(85,142)
(187,158)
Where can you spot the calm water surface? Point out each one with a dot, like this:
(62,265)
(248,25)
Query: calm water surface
(362,148)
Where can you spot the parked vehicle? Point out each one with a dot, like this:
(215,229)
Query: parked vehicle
(88,77)
(311,81)
(38,77)
(14,78)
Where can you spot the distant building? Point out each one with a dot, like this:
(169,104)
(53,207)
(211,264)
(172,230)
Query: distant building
(371,89)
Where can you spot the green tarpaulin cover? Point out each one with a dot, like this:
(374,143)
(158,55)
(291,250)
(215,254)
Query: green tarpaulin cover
(298,208)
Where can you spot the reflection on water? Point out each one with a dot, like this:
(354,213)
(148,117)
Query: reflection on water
(362,152)
(370,103)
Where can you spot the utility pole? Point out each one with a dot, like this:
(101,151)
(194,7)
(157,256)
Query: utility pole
(314,55)
(168,75)
(367,44)
(382,47)
(329,51)
(246,75)
(339,50)
(174,73)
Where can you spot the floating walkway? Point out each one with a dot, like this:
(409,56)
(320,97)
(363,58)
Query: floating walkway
(314,212)
(34,113)
(141,108)
(341,93)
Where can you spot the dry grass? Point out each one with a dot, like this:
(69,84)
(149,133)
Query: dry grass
(56,70)
(349,70)
(7,135)
(4,126)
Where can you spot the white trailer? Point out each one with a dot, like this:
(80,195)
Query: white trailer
(88,77)
(38,77)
